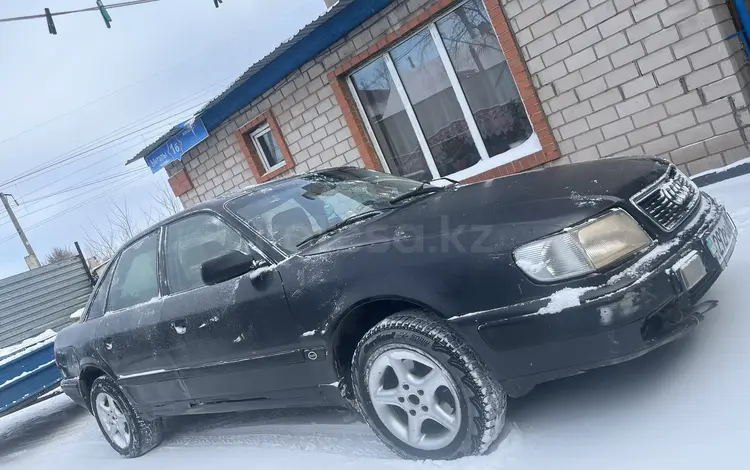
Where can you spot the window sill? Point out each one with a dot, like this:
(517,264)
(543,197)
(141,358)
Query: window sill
(529,147)
(274,172)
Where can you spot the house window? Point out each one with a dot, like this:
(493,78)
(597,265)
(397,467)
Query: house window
(264,147)
(267,148)
(443,102)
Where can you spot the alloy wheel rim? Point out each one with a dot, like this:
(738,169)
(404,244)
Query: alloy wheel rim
(415,398)
(113,420)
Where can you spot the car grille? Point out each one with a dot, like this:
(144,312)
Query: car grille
(668,201)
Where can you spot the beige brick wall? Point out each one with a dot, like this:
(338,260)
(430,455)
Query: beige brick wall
(614,77)
(638,77)
(306,110)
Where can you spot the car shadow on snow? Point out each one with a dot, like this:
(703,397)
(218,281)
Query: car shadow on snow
(571,401)
(328,430)
(623,387)
(27,430)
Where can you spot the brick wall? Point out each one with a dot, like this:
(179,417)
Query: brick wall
(306,110)
(638,77)
(614,77)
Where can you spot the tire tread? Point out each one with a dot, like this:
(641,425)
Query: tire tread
(146,434)
(488,395)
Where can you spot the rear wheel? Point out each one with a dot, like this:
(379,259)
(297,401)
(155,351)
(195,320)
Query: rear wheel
(122,426)
(423,390)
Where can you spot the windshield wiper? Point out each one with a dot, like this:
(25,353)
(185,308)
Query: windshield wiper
(418,191)
(336,226)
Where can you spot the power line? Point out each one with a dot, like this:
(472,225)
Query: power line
(140,173)
(72,157)
(69,12)
(65,211)
(85,184)
(158,112)
(84,149)
(43,169)
(114,91)
(94,198)
(60,162)
(75,172)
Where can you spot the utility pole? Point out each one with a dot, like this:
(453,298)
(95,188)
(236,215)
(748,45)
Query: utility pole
(31,261)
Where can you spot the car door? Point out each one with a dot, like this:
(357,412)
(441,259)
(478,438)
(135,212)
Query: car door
(75,358)
(235,335)
(130,337)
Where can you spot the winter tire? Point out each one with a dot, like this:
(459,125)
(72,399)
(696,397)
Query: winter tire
(423,390)
(121,424)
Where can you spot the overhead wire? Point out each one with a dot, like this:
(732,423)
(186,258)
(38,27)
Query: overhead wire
(85,184)
(172,66)
(140,174)
(98,143)
(69,209)
(71,157)
(70,12)
(108,179)
(77,156)
(66,176)
(86,149)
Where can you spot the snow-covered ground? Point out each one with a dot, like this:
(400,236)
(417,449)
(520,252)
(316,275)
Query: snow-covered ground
(684,406)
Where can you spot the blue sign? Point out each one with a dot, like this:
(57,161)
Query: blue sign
(192,133)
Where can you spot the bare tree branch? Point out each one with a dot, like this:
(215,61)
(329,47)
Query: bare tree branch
(59,254)
(101,243)
(104,241)
(164,204)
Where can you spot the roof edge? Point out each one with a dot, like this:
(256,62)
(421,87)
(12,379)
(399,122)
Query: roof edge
(289,56)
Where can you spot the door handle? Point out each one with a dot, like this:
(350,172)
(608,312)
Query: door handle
(180,326)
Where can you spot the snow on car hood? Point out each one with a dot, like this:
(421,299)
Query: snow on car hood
(515,209)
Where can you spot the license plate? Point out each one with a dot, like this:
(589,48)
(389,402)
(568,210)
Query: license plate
(721,241)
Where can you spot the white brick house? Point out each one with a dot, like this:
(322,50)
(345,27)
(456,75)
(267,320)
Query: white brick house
(498,86)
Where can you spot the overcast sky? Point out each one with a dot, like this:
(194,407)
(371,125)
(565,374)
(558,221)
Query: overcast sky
(109,93)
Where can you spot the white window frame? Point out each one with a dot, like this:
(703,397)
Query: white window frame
(487,161)
(255,136)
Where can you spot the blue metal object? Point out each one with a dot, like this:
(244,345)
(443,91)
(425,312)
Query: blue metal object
(27,376)
(745,20)
(321,37)
(191,133)
(292,54)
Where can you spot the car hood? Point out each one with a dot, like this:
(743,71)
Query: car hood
(509,210)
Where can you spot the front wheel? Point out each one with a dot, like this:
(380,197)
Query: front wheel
(423,390)
(124,428)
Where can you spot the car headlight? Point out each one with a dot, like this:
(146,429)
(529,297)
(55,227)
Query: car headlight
(582,249)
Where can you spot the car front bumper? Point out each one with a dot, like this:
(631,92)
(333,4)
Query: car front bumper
(639,309)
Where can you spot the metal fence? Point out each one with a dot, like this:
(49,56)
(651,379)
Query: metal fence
(42,299)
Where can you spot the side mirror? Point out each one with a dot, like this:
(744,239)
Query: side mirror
(228,266)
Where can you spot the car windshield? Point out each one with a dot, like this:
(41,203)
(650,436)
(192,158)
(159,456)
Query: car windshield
(292,210)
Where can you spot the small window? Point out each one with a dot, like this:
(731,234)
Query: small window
(267,148)
(99,298)
(193,241)
(135,278)
(263,144)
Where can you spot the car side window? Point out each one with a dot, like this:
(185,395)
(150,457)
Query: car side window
(193,241)
(135,276)
(99,300)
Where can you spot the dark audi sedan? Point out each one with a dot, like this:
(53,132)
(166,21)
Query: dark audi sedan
(422,306)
